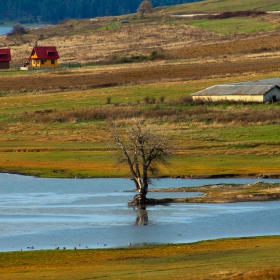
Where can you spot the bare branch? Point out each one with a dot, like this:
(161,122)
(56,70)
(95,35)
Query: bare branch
(143,151)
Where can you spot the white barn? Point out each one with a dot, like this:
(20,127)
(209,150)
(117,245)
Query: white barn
(248,92)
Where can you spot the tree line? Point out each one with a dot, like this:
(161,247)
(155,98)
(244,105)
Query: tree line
(54,11)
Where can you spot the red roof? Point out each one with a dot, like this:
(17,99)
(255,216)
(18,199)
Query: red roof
(45,52)
(5,55)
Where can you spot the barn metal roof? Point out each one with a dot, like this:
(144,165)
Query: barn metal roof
(237,89)
(272,81)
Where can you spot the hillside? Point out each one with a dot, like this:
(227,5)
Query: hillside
(54,11)
(53,122)
(167,31)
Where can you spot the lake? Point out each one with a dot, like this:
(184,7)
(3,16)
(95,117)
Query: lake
(5,29)
(37,213)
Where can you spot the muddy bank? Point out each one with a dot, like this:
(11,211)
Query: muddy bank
(217,176)
(225,193)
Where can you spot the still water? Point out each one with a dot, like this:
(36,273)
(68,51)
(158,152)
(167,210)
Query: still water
(93,213)
(5,29)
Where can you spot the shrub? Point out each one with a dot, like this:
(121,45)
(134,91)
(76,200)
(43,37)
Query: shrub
(18,30)
(236,14)
(155,55)
(161,99)
(147,99)
(108,100)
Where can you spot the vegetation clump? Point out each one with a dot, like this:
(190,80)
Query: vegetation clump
(145,7)
(225,15)
(18,30)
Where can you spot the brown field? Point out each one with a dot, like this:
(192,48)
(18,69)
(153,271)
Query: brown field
(186,53)
(143,73)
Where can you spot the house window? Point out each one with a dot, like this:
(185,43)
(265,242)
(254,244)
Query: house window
(43,61)
(53,62)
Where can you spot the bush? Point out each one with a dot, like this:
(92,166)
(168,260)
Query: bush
(18,30)
(108,100)
(155,55)
(147,99)
(236,14)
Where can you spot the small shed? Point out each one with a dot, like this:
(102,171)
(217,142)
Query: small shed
(5,58)
(254,92)
(43,57)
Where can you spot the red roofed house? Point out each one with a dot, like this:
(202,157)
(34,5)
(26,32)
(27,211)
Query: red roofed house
(43,57)
(5,58)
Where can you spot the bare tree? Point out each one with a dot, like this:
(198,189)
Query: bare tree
(143,151)
(145,7)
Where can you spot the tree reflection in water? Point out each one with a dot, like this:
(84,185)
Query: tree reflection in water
(142,217)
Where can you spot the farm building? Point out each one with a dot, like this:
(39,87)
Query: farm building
(43,57)
(5,58)
(260,91)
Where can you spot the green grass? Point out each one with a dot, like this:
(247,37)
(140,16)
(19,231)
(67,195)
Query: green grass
(81,147)
(95,97)
(235,25)
(18,72)
(256,257)
(97,164)
(28,102)
(227,5)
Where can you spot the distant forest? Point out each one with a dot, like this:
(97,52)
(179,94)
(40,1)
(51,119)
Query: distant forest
(54,11)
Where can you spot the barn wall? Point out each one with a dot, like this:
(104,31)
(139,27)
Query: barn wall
(245,98)
(273,92)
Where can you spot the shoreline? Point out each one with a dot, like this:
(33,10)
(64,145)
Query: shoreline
(216,193)
(196,176)
(139,246)
(225,193)
(213,259)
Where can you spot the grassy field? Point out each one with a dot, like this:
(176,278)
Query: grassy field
(221,6)
(245,258)
(53,123)
(234,25)
(64,134)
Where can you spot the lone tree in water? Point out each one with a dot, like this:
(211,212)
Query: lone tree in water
(145,7)
(142,150)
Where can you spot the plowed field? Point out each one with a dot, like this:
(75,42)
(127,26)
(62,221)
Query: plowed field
(136,74)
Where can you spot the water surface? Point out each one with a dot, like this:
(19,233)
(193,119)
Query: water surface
(6,29)
(93,213)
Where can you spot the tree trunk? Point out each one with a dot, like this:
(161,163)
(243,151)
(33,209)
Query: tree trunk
(142,188)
